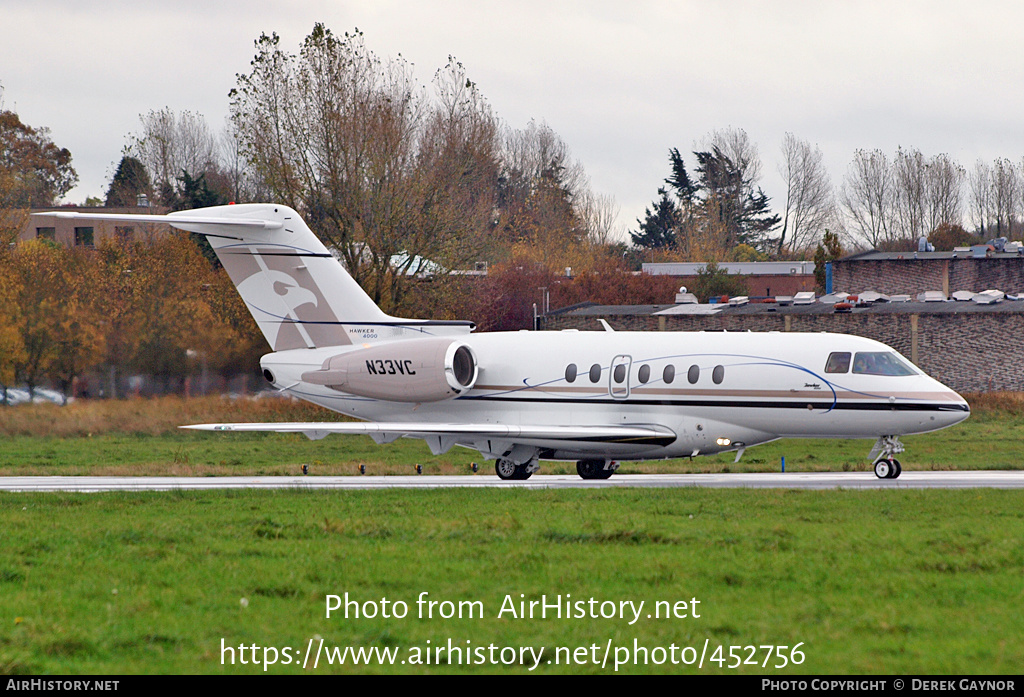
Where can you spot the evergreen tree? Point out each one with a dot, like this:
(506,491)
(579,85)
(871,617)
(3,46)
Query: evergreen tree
(130,180)
(716,211)
(829,250)
(195,193)
(680,180)
(731,200)
(658,229)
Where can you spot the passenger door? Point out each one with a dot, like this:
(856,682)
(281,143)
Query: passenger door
(618,376)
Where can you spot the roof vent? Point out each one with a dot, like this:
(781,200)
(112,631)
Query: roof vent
(931,296)
(833,298)
(963,295)
(805,297)
(989,297)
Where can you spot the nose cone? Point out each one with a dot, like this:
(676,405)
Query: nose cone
(956,410)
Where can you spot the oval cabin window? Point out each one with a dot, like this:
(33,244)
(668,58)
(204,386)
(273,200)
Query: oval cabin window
(669,375)
(718,374)
(570,373)
(595,372)
(693,374)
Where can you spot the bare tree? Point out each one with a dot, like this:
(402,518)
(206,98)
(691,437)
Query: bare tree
(599,212)
(171,143)
(810,204)
(981,195)
(944,186)
(909,198)
(736,145)
(385,174)
(540,188)
(867,195)
(243,182)
(1005,196)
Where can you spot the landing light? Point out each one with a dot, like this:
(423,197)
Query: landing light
(723,441)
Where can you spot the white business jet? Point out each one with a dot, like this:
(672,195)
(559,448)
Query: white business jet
(520,397)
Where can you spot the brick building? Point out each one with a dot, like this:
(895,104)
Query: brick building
(915,272)
(763,278)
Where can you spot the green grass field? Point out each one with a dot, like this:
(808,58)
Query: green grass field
(141,437)
(864,582)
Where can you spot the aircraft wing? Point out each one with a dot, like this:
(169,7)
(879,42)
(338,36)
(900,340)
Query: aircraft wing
(441,436)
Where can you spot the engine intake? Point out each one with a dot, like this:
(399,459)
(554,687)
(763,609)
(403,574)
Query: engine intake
(420,370)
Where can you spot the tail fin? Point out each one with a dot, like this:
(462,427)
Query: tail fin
(297,291)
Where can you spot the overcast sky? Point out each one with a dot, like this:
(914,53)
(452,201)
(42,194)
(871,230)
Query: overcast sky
(620,82)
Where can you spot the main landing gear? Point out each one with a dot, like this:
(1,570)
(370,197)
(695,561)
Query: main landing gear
(887,466)
(510,470)
(596,469)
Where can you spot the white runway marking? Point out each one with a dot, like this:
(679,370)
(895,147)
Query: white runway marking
(813,480)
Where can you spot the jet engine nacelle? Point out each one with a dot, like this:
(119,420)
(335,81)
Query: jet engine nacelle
(420,370)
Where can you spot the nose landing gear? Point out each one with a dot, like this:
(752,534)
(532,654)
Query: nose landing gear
(887,466)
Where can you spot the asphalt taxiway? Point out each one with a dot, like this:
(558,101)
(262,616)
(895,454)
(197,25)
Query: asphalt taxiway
(777,480)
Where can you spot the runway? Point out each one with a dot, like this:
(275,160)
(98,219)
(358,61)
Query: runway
(776,480)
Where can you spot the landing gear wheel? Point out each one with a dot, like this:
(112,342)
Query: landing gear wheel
(887,468)
(897,470)
(505,469)
(593,469)
(883,469)
(508,470)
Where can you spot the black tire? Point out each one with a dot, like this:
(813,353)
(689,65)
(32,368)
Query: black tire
(592,469)
(897,469)
(883,468)
(510,471)
(505,469)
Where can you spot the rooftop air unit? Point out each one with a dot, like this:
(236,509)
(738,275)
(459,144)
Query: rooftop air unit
(833,298)
(988,297)
(873,296)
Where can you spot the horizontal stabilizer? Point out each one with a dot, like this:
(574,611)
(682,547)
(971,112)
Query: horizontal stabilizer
(177,220)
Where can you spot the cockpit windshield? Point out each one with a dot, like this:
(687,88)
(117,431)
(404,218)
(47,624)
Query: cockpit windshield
(869,363)
(881,363)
